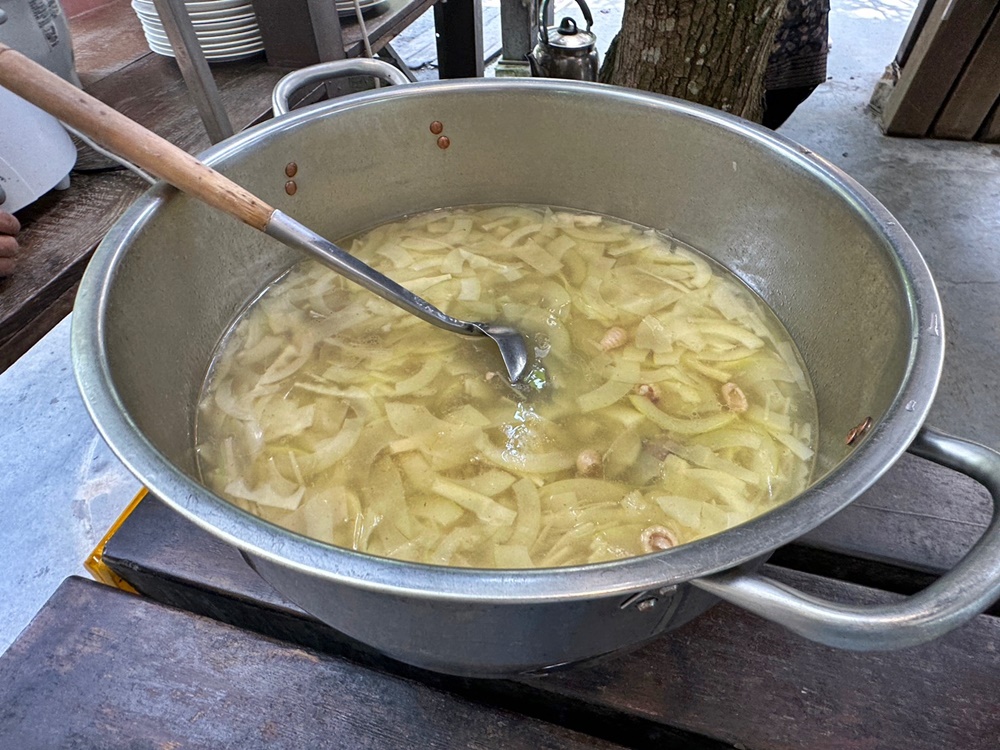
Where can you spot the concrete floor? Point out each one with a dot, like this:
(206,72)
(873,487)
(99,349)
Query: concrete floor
(945,194)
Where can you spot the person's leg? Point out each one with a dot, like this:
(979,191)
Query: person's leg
(797,64)
(779,104)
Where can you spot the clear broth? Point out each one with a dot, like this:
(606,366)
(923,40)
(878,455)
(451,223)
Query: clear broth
(667,402)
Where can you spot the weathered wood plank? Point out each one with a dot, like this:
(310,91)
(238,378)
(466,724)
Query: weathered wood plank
(245,90)
(59,232)
(751,684)
(726,678)
(991,128)
(917,21)
(100,668)
(16,345)
(935,62)
(976,92)
(61,229)
(107,36)
(919,515)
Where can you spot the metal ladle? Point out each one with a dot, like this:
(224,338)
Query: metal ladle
(130,140)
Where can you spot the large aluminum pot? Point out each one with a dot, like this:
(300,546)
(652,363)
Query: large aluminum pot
(837,269)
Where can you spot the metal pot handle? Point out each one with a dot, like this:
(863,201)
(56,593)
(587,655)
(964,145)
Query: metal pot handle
(326,71)
(959,595)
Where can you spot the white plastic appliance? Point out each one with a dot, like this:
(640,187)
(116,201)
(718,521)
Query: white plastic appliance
(36,153)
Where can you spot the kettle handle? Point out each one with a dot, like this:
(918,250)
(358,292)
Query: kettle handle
(543,27)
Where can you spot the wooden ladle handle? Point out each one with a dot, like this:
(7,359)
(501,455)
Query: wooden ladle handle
(128,139)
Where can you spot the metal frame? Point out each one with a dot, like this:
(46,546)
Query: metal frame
(194,68)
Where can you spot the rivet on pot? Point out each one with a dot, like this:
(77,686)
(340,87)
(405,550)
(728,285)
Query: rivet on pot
(291,169)
(444,141)
(858,432)
(645,605)
(291,187)
(437,127)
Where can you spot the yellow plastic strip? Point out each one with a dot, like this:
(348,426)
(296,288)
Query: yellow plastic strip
(95,561)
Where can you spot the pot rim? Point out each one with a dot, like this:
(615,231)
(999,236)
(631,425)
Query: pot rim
(886,441)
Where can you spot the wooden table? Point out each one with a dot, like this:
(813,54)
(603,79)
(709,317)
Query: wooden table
(210,656)
(61,230)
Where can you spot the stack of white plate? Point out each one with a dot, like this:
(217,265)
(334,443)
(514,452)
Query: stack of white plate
(346,7)
(226,29)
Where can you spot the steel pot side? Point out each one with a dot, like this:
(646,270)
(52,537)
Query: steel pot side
(838,270)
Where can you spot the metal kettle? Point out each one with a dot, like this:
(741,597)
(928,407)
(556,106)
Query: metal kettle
(565,51)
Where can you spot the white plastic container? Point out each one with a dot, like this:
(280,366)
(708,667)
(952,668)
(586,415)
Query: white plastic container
(36,153)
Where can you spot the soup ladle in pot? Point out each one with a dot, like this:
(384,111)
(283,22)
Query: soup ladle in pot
(130,140)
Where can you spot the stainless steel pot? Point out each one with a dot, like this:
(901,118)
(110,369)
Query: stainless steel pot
(837,269)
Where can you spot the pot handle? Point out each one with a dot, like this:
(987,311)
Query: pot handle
(958,596)
(326,71)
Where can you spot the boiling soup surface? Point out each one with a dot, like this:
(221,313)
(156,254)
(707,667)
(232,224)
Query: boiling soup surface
(666,402)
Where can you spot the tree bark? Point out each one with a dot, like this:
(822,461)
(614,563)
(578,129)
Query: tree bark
(712,52)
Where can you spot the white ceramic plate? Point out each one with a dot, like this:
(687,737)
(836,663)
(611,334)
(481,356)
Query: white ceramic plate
(226,23)
(348,5)
(202,6)
(206,48)
(198,21)
(206,39)
(147,10)
(368,7)
(233,53)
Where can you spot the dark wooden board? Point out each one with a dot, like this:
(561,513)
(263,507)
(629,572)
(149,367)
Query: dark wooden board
(976,92)
(59,233)
(753,685)
(459,25)
(991,128)
(107,37)
(919,516)
(244,88)
(917,21)
(728,678)
(938,55)
(98,668)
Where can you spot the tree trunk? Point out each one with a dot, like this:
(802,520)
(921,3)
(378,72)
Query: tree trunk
(712,52)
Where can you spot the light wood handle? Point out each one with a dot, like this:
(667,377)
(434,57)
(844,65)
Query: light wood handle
(128,139)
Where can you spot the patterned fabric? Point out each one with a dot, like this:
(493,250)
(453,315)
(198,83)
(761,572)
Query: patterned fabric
(798,58)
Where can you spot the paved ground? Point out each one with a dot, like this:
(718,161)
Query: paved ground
(946,194)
